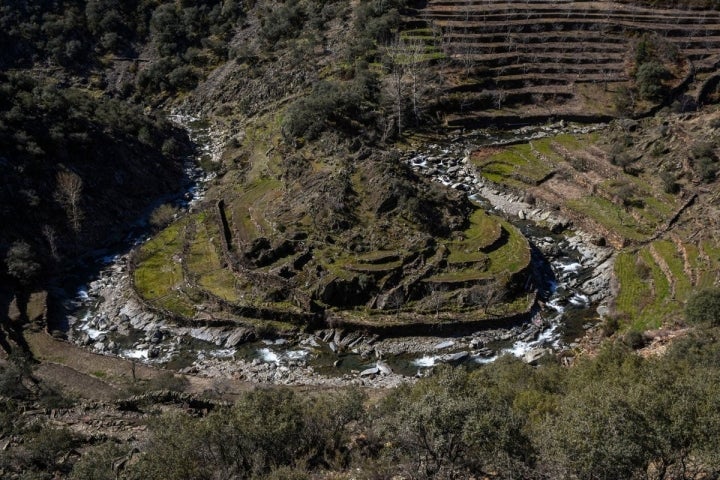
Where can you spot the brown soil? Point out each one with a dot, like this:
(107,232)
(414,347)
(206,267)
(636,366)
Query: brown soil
(102,377)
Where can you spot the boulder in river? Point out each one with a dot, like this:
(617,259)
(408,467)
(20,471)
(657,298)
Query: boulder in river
(383,367)
(534,355)
(370,371)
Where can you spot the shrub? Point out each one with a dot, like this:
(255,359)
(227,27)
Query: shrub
(96,463)
(634,339)
(703,150)
(11,381)
(308,116)
(704,307)
(705,168)
(283,22)
(21,263)
(610,325)
(43,449)
(669,182)
(649,80)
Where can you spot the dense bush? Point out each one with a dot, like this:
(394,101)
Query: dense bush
(285,21)
(704,307)
(617,416)
(649,79)
(76,33)
(50,134)
(339,103)
(21,263)
(265,431)
(377,19)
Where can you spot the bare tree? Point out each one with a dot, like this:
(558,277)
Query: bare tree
(51,238)
(408,76)
(69,193)
(499,97)
(487,296)
(437,296)
(418,73)
(396,84)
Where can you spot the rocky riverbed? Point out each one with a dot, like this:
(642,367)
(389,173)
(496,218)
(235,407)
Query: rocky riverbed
(573,274)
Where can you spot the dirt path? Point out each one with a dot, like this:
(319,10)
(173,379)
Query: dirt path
(101,377)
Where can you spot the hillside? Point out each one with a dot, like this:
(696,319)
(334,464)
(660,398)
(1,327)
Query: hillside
(304,239)
(575,60)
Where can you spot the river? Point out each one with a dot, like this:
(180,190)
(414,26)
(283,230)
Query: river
(571,273)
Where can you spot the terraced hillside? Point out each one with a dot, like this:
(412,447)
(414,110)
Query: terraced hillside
(648,188)
(602,191)
(568,58)
(657,279)
(372,247)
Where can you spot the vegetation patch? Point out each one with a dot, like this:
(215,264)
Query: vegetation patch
(611,216)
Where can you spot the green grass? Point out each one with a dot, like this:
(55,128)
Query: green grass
(510,258)
(519,164)
(220,283)
(374,267)
(158,276)
(668,251)
(633,289)
(513,256)
(709,267)
(645,297)
(246,209)
(571,142)
(378,256)
(483,231)
(611,216)
(427,32)
(158,271)
(662,306)
(203,256)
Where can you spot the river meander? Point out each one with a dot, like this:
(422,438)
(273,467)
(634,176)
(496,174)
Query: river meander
(570,273)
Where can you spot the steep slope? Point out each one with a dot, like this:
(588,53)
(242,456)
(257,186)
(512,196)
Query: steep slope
(567,59)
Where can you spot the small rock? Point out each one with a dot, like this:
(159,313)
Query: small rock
(454,357)
(599,241)
(384,368)
(156,336)
(370,371)
(534,355)
(446,344)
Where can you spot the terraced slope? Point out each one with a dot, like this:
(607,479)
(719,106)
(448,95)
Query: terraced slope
(562,58)
(580,174)
(656,280)
(649,188)
(370,248)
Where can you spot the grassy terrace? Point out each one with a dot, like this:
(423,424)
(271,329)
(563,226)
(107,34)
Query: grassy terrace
(522,165)
(657,280)
(248,206)
(483,232)
(631,207)
(159,276)
(512,256)
(183,265)
(204,261)
(611,216)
